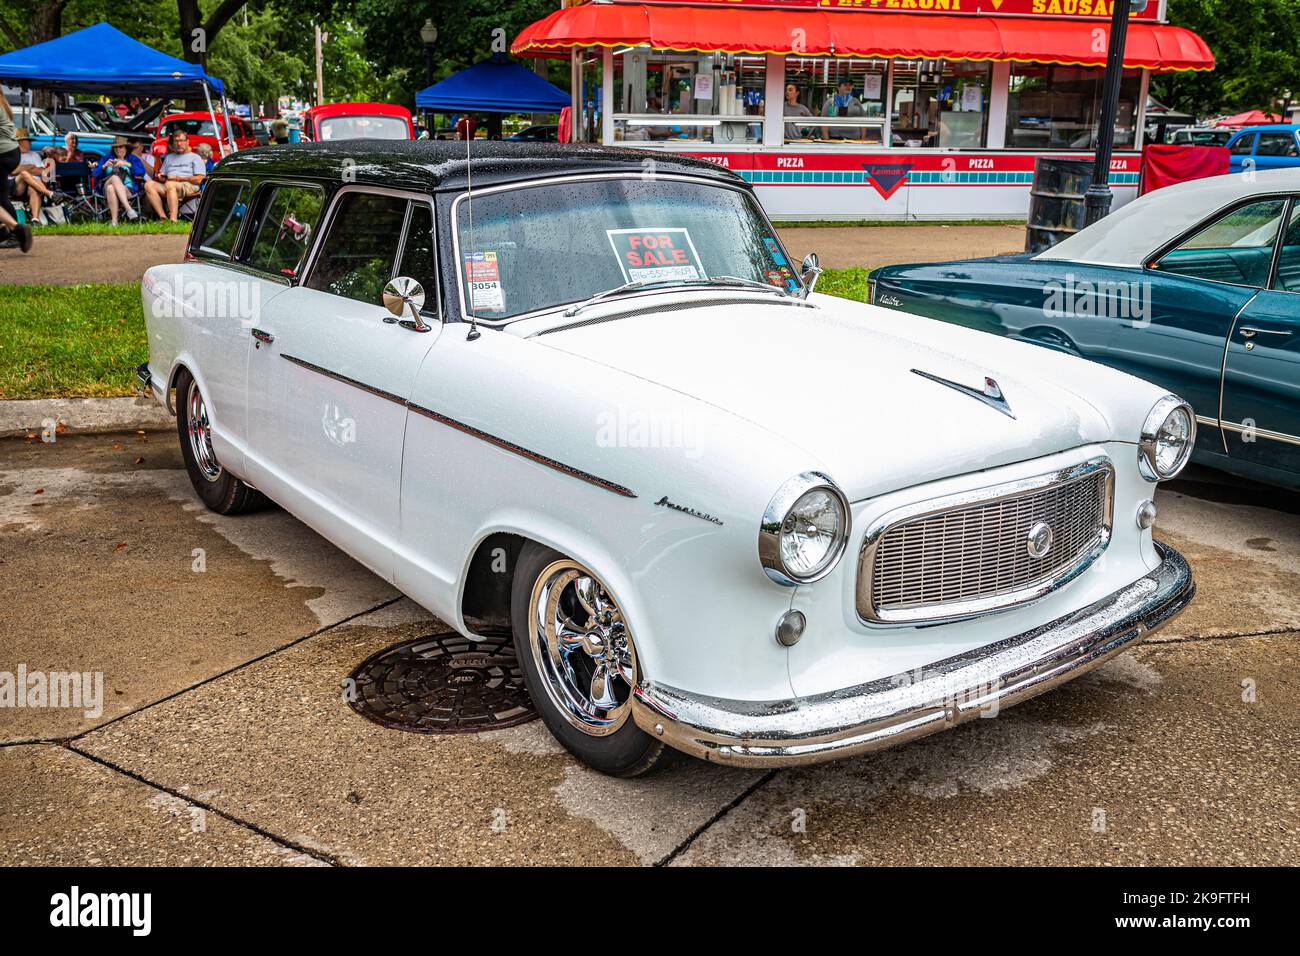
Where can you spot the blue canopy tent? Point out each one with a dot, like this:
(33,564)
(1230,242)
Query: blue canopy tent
(493,86)
(103,60)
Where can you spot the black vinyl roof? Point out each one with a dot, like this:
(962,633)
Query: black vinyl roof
(434,164)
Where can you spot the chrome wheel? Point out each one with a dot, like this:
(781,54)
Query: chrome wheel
(201,434)
(583,649)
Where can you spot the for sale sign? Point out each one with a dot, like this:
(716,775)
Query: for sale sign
(655,255)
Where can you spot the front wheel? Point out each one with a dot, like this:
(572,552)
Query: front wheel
(221,491)
(579,662)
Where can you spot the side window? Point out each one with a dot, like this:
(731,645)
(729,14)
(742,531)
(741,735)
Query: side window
(219,228)
(1288,261)
(1236,248)
(1243,146)
(360,250)
(1277,144)
(289,216)
(418,260)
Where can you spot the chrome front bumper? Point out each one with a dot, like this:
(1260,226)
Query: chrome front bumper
(897,709)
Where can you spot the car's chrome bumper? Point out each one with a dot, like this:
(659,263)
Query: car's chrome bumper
(896,709)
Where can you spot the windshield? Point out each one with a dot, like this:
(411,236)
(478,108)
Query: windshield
(37,123)
(194,127)
(363,127)
(91,121)
(539,247)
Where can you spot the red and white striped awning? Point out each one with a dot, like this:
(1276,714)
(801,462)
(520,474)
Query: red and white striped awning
(815,32)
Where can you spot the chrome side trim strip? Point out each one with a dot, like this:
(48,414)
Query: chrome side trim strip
(521,451)
(379,392)
(467,429)
(897,709)
(1262,433)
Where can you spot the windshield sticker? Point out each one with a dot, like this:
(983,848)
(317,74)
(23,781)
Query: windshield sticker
(655,255)
(774,250)
(484,279)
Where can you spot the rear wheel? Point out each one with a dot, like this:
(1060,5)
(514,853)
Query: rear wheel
(579,662)
(221,491)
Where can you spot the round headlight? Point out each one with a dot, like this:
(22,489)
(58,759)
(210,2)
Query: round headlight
(804,531)
(1168,435)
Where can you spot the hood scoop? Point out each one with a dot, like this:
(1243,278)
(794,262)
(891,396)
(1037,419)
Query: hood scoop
(990,394)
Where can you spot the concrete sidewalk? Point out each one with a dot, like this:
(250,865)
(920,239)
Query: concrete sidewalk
(40,416)
(224,737)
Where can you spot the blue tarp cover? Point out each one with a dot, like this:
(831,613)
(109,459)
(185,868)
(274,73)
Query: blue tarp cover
(102,59)
(493,86)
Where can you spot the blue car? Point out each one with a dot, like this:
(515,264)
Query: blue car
(1195,287)
(1275,146)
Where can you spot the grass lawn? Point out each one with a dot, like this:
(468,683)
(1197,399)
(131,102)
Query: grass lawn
(70,341)
(127,228)
(846,283)
(86,341)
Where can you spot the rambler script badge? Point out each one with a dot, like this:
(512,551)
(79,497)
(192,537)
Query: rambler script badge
(665,503)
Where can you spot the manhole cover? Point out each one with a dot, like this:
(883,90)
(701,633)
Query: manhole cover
(443,684)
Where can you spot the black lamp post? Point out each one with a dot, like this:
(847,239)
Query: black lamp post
(428,36)
(1098,197)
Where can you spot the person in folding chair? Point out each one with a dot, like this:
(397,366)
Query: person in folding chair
(118,178)
(176,178)
(31,179)
(10,158)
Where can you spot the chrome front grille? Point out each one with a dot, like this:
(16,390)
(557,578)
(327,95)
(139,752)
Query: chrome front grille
(970,553)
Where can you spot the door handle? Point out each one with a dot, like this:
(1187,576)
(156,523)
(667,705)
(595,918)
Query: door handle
(1249,333)
(263,336)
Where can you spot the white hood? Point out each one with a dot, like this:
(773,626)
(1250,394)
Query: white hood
(837,381)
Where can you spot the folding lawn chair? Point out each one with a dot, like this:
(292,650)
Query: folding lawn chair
(74,189)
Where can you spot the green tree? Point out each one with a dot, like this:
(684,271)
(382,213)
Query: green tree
(468,31)
(1256,49)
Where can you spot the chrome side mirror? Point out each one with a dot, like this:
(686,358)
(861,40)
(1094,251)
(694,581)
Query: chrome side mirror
(402,294)
(809,270)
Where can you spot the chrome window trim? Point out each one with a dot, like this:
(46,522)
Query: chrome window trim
(467,316)
(410,195)
(939,613)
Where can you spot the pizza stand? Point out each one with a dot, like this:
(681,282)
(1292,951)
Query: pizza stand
(852,109)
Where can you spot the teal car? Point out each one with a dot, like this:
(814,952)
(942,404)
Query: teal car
(1195,287)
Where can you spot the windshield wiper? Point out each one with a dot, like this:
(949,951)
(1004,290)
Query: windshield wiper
(638,284)
(738,281)
(632,286)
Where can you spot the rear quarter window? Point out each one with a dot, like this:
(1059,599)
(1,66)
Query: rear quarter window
(217,227)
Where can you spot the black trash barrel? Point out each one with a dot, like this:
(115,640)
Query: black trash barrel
(1056,201)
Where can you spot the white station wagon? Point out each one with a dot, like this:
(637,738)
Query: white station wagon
(585,392)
